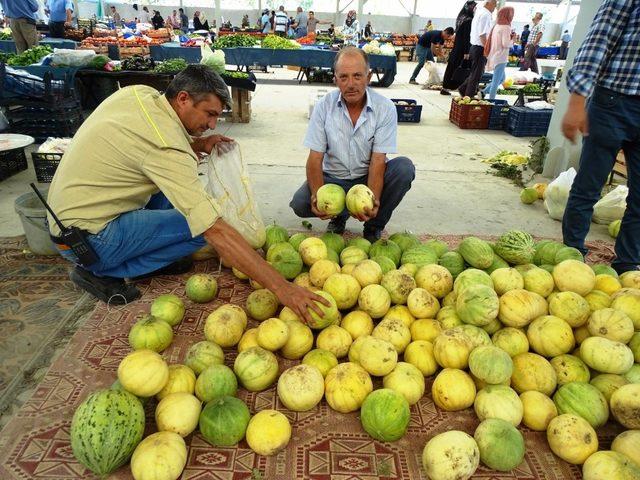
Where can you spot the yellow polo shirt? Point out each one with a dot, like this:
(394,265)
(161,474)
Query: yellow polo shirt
(130,148)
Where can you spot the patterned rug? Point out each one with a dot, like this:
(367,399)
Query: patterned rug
(325,445)
(39,311)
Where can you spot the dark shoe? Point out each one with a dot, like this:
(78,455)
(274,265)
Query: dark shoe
(337,225)
(178,267)
(481,92)
(372,234)
(413,82)
(445,92)
(620,269)
(113,291)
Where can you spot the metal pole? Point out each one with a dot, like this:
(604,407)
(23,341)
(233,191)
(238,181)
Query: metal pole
(336,15)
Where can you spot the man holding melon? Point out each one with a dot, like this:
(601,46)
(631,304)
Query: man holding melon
(350,134)
(128,185)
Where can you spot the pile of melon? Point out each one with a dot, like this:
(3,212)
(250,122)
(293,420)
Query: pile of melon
(524,333)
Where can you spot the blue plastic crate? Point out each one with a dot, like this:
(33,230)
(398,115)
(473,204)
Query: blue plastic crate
(526,122)
(408,113)
(499,115)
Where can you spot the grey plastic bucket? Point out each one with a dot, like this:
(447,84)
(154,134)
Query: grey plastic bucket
(33,216)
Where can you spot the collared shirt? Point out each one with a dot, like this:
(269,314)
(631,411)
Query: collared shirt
(130,148)
(566,38)
(301,20)
(431,37)
(281,21)
(311,24)
(266,24)
(535,30)
(347,149)
(481,25)
(58,9)
(20,8)
(610,53)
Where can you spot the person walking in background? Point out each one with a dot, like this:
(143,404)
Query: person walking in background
(60,15)
(564,46)
(429,26)
(480,29)
(21,15)
(280,22)
(184,21)
(496,49)
(368,30)
(606,69)
(424,48)
(351,29)
(300,23)
(524,38)
(265,21)
(460,50)
(531,50)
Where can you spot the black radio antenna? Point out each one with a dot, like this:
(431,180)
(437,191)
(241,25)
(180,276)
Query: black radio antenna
(46,205)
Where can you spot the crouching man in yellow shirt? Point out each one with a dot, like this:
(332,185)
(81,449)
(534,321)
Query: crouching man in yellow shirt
(129,180)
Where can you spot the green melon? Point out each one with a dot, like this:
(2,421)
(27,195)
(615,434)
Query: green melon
(608,383)
(287,262)
(603,269)
(453,262)
(386,248)
(352,254)
(274,234)
(224,420)
(419,256)
(528,195)
(547,254)
(490,364)
(216,381)
(568,253)
(516,247)
(256,368)
(538,250)
(584,400)
(276,248)
(498,262)
(471,276)
(386,264)
(333,256)
(202,355)
(478,336)
(437,246)
(501,445)
(633,375)
(333,241)
(296,239)
(477,305)
(405,240)
(105,430)
(476,252)
(385,415)
(547,267)
(362,243)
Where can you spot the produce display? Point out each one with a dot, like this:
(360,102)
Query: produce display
(523,332)
(279,43)
(173,65)
(30,56)
(237,40)
(138,63)
(5,34)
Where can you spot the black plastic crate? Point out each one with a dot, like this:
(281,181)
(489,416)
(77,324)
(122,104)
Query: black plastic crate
(408,113)
(15,88)
(12,162)
(526,122)
(499,115)
(41,130)
(45,165)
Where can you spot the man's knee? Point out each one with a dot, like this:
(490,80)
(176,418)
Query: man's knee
(403,169)
(301,204)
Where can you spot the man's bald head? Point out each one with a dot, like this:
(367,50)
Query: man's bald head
(351,52)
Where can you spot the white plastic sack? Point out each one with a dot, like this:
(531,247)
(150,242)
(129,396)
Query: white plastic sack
(434,74)
(611,207)
(71,58)
(557,194)
(229,183)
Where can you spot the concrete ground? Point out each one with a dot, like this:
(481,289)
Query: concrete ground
(452,192)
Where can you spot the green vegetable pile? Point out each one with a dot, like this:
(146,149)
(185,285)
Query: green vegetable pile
(29,57)
(323,39)
(5,34)
(532,89)
(231,41)
(98,62)
(236,74)
(173,65)
(279,43)
(4,57)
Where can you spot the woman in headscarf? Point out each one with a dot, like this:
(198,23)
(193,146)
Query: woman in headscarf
(351,28)
(199,21)
(496,49)
(461,46)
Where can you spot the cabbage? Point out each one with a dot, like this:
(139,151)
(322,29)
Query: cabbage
(387,49)
(213,59)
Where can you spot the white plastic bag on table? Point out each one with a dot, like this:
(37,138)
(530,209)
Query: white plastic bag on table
(214,59)
(71,58)
(611,207)
(229,183)
(557,194)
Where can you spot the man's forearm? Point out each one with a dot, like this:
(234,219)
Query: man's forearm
(231,246)
(69,15)
(483,40)
(315,177)
(376,176)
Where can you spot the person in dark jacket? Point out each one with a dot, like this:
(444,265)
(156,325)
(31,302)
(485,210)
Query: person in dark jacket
(460,50)
(157,21)
(198,24)
(524,37)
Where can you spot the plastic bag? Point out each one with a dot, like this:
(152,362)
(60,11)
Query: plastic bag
(611,207)
(557,194)
(229,183)
(434,74)
(215,60)
(71,58)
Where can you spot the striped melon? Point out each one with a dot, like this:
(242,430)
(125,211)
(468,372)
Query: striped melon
(453,262)
(105,430)
(516,247)
(476,252)
(386,248)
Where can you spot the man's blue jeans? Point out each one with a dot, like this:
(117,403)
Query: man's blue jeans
(398,176)
(142,241)
(423,55)
(613,125)
(498,77)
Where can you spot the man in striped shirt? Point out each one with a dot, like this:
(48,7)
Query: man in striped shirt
(532,47)
(351,131)
(606,70)
(280,23)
